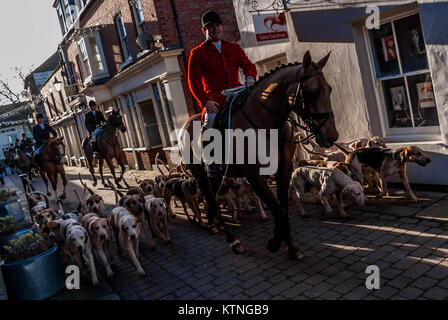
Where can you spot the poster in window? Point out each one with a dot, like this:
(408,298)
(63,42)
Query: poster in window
(390,54)
(398,98)
(417,45)
(425,95)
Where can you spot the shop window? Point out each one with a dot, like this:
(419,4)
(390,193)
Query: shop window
(401,69)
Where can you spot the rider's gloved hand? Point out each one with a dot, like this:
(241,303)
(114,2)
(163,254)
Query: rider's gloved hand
(211,106)
(250,81)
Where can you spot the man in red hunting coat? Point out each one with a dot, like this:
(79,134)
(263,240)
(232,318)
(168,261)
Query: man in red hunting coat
(214,66)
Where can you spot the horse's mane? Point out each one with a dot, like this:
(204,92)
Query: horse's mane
(272,71)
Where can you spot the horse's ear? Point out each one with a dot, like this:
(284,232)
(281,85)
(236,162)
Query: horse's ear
(307,60)
(324,60)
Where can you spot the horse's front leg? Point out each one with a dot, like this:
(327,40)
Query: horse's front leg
(43,174)
(100,169)
(92,171)
(64,181)
(112,170)
(54,183)
(283,177)
(123,169)
(281,231)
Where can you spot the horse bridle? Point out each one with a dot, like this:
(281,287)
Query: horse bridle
(301,107)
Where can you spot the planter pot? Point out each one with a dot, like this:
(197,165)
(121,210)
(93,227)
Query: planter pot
(34,278)
(12,208)
(5,238)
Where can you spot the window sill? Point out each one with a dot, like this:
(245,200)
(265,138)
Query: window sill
(127,62)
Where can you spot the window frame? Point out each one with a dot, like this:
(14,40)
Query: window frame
(123,39)
(91,57)
(430,133)
(137,11)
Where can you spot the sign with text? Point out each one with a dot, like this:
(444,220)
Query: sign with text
(270,27)
(41,77)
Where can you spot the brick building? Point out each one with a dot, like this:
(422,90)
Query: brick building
(132,54)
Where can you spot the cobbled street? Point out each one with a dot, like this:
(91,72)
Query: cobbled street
(407,241)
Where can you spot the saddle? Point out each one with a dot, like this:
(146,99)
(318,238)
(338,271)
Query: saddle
(236,98)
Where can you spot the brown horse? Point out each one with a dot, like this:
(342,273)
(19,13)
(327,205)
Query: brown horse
(52,160)
(108,148)
(300,88)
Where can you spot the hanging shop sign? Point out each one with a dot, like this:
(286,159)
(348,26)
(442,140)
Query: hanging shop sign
(270,27)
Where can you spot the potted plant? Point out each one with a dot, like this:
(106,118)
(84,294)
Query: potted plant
(10,205)
(10,229)
(32,268)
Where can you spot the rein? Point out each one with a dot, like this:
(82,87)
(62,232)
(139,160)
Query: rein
(300,103)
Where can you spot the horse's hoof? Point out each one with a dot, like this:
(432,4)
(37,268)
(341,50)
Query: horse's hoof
(118,180)
(346,217)
(237,247)
(265,218)
(295,254)
(274,245)
(63,196)
(94,184)
(49,194)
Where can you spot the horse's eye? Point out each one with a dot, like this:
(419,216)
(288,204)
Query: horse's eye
(134,226)
(97,228)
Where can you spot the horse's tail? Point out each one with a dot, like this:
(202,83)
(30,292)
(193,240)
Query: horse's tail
(323,155)
(85,185)
(116,192)
(342,148)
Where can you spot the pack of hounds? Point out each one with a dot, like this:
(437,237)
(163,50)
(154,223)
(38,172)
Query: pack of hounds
(346,170)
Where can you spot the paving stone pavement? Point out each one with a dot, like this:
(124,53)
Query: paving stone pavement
(411,253)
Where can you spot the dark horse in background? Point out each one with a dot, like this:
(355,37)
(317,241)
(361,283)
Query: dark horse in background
(108,148)
(25,163)
(300,88)
(10,160)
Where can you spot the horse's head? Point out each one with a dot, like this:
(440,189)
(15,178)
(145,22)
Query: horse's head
(116,120)
(56,150)
(316,111)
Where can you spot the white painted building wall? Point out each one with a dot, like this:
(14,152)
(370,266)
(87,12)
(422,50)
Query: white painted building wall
(349,73)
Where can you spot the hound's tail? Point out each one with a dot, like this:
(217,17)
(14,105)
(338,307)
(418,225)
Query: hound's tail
(116,192)
(85,185)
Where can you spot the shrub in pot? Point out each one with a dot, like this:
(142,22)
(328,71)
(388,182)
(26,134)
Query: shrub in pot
(10,205)
(32,268)
(10,229)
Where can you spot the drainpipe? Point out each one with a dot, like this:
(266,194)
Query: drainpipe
(181,42)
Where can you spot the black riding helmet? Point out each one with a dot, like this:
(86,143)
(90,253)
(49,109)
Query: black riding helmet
(209,17)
